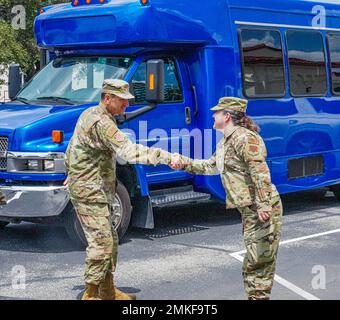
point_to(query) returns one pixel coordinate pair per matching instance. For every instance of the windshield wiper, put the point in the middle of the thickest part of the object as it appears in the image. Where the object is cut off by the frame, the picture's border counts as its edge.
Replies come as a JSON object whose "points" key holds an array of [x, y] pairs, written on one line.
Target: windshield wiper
{"points": [[23, 100], [58, 99]]}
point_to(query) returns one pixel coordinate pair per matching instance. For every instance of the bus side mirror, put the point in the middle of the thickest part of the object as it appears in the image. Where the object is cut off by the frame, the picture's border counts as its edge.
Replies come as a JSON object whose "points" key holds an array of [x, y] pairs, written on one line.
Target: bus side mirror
{"points": [[155, 81], [15, 80]]}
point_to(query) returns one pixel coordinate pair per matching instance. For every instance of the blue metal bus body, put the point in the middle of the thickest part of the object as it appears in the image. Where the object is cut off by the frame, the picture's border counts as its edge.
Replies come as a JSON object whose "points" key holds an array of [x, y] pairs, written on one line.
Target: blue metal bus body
{"points": [[204, 40]]}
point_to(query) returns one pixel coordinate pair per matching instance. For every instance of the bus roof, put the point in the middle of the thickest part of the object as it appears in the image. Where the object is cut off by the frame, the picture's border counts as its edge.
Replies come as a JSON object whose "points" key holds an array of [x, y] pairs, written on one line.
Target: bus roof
{"points": [[128, 23]]}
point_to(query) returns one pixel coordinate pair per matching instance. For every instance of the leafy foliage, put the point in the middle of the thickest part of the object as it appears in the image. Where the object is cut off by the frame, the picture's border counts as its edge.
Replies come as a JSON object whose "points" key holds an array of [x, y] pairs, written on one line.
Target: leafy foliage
{"points": [[18, 44]]}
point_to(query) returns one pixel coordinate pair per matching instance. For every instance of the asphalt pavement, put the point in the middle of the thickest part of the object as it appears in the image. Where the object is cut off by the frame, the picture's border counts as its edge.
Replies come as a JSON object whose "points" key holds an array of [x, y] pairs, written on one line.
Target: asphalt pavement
{"points": [[195, 252]]}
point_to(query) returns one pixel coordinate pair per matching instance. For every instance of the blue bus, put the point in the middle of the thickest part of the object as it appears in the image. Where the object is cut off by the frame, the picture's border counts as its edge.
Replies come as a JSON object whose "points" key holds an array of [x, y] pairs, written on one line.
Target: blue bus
{"points": [[283, 56]]}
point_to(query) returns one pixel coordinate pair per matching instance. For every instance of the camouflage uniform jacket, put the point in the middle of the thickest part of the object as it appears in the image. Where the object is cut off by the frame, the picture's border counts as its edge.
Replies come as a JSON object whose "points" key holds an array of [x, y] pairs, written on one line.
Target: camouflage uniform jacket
{"points": [[240, 159], [92, 153]]}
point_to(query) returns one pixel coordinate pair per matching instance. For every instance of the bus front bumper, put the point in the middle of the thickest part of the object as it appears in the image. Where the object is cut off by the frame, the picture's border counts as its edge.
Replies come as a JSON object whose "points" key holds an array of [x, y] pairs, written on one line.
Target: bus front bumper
{"points": [[33, 201]]}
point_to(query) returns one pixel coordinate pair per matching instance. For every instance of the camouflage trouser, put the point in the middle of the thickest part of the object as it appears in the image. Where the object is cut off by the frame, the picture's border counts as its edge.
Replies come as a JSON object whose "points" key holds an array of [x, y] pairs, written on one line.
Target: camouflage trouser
{"points": [[2, 199], [102, 239], [262, 243]]}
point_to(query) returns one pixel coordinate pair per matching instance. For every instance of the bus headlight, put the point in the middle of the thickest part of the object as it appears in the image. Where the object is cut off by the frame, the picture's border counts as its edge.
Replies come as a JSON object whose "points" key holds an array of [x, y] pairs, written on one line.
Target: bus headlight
{"points": [[49, 165], [33, 165]]}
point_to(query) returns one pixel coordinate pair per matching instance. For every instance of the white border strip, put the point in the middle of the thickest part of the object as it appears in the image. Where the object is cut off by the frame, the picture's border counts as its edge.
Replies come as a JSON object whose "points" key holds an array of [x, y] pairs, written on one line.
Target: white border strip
{"points": [[263, 24], [308, 296]]}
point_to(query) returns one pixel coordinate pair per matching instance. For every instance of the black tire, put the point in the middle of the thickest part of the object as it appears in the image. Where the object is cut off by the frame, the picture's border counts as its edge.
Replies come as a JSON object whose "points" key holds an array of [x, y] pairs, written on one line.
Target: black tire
{"points": [[75, 231], [3, 224]]}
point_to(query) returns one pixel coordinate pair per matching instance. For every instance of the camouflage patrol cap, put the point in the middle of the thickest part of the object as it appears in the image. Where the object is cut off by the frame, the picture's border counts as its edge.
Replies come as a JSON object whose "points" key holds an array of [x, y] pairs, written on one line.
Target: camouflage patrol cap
{"points": [[231, 103], [117, 87]]}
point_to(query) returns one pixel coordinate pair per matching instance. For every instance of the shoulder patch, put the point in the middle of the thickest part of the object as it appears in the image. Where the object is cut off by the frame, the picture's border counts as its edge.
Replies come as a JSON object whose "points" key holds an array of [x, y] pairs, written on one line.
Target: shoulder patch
{"points": [[253, 149], [119, 137]]}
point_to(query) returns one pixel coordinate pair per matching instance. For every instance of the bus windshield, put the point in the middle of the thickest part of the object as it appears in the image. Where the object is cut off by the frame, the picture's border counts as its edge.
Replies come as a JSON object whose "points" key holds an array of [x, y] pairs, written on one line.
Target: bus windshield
{"points": [[74, 80]]}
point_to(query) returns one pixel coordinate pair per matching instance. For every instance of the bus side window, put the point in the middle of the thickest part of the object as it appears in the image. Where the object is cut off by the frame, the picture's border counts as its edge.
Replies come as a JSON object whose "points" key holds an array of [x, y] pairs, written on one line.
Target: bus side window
{"points": [[307, 63], [334, 57], [173, 91], [262, 61]]}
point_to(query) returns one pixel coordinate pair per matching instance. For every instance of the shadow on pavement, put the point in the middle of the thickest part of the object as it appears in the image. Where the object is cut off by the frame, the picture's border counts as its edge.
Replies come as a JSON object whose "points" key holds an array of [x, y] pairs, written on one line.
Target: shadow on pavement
{"points": [[30, 237]]}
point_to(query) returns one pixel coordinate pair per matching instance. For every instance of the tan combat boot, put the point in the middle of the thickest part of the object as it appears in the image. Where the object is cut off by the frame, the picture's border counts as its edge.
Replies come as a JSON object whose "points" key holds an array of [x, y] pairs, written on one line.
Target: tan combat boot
{"points": [[91, 292], [107, 291]]}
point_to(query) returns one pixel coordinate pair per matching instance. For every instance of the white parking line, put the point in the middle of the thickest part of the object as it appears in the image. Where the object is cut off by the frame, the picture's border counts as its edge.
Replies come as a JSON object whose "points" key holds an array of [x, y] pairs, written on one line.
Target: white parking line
{"points": [[16, 197], [283, 282], [308, 296]]}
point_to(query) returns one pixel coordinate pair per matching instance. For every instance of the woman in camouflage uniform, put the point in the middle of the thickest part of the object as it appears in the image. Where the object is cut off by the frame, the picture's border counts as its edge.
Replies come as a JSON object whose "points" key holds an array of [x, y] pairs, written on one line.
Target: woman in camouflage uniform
{"points": [[240, 160]]}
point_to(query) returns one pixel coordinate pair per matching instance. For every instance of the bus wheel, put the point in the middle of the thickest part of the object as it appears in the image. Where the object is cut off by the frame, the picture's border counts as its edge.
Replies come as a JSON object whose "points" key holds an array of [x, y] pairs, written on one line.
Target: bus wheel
{"points": [[3, 224], [120, 213]]}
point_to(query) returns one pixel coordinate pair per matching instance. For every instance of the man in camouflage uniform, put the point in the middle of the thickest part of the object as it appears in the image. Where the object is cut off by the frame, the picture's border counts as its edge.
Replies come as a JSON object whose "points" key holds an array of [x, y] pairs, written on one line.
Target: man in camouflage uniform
{"points": [[240, 160], [91, 166], [2, 199]]}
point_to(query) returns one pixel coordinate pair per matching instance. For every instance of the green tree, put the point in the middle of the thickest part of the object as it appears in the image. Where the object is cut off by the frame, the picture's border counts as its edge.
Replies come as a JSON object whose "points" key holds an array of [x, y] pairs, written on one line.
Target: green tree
{"points": [[18, 45]]}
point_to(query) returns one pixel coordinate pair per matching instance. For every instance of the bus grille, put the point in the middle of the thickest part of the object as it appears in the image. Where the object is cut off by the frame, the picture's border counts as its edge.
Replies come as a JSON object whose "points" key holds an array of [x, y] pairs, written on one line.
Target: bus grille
{"points": [[3, 151], [306, 167]]}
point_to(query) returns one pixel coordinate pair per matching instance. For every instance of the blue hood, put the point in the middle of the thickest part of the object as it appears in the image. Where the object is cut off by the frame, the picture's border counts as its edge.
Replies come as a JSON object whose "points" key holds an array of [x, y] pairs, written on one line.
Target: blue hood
{"points": [[29, 127], [14, 116]]}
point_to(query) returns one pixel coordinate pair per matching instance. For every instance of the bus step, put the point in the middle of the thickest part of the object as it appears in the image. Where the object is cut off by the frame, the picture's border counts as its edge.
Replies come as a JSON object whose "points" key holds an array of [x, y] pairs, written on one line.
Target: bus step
{"points": [[177, 196]]}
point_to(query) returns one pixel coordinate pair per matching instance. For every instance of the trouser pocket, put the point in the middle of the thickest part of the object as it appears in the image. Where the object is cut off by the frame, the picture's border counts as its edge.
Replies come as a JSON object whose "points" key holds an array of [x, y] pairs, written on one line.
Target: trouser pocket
{"points": [[261, 239]]}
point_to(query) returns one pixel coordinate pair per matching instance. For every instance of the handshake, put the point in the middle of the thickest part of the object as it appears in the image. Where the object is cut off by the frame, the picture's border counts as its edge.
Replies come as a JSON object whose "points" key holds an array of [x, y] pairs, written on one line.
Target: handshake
{"points": [[178, 162]]}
